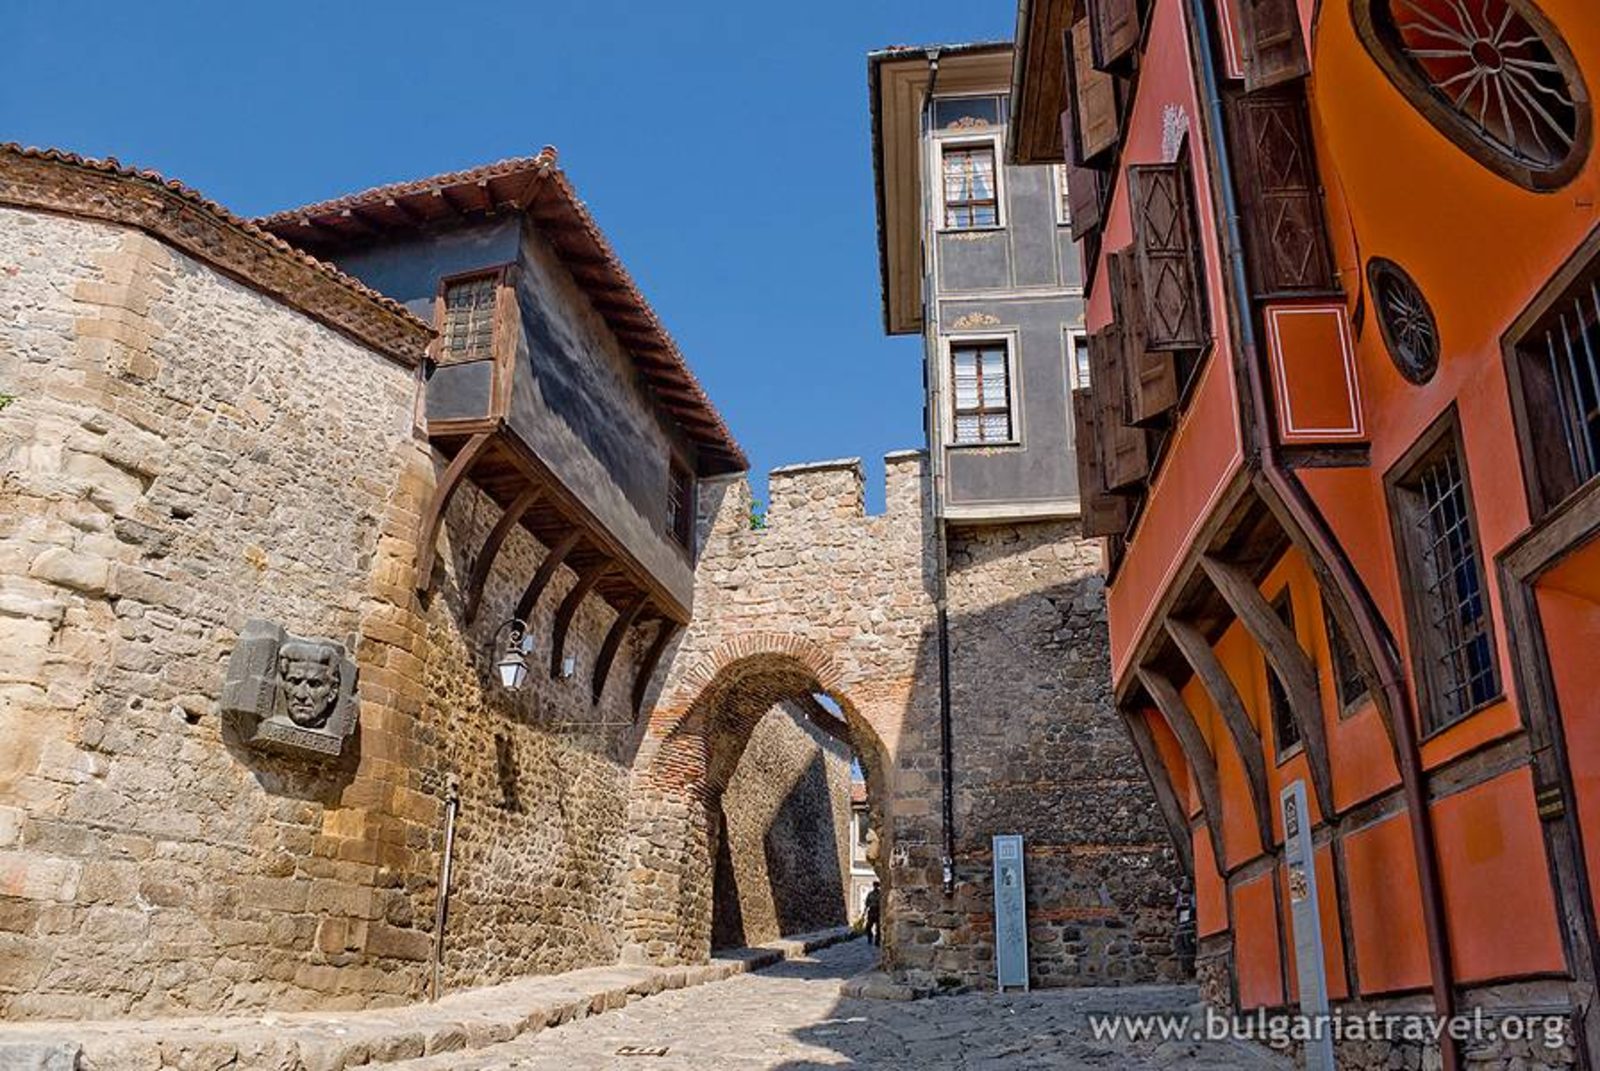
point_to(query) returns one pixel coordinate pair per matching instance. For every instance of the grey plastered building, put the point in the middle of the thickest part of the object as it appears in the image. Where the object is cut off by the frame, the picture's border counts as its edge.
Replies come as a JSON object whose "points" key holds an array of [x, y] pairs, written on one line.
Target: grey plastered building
{"points": [[977, 256]]}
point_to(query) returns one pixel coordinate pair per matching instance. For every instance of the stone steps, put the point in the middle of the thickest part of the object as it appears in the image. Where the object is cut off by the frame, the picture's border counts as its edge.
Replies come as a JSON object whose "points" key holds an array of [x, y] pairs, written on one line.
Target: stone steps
{"points": [[329, 1041]]}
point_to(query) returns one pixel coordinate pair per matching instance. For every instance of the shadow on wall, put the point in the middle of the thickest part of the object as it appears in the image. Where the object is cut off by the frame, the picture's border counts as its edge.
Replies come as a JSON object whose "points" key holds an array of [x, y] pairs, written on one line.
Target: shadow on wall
{"points": [[801, 848]]}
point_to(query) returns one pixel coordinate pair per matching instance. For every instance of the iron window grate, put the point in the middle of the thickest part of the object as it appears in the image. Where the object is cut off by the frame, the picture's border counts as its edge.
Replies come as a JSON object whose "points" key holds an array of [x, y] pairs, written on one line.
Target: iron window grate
{"points": [[1570, 344], [1455, 596], [468, 320]]}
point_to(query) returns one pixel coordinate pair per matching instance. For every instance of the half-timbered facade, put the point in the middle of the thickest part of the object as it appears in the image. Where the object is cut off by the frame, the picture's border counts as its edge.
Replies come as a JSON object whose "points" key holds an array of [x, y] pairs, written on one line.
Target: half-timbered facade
{"points": [[1340, 265]]}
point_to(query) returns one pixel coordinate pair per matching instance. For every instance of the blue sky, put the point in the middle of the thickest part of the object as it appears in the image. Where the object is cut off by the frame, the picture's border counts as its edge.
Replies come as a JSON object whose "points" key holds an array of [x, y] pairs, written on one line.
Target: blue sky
{"points": [[723, 146]]}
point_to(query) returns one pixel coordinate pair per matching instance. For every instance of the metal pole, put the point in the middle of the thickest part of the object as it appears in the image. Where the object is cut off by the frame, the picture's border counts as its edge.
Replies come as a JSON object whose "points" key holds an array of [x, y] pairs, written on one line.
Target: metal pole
{"points": [[441, 911]]}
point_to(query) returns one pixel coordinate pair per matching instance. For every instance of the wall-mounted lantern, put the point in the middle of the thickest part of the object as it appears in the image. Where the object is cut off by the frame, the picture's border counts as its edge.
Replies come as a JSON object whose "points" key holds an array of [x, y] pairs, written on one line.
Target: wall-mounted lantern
{"points": [[512, 644]]}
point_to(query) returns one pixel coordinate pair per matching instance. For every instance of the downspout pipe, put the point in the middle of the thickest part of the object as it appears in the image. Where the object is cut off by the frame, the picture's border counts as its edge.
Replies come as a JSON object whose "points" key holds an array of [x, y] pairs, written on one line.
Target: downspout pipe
{"points": [[1303, 513], [947, 798]]}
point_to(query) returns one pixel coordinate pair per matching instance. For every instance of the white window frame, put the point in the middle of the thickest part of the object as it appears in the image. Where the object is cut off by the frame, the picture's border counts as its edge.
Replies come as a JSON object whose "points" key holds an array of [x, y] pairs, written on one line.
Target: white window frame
{"points": [[1011, 340], [1058, 186], [993, 140], [1070, 336]]}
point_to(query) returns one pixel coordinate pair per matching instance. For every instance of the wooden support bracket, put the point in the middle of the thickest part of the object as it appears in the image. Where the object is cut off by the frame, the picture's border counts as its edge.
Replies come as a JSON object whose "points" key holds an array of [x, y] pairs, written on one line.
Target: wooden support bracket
{"points": [[1288, 660], [1172, 809], [1202, 763], [647, 668], [613, 640], [541, 576], [491, 549], [1225, 697], [457, 471], [569, 607]]}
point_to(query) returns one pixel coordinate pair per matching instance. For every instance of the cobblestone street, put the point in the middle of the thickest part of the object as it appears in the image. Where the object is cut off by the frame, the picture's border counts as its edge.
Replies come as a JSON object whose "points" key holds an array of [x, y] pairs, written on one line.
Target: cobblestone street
{"points": [[791, 1017]]}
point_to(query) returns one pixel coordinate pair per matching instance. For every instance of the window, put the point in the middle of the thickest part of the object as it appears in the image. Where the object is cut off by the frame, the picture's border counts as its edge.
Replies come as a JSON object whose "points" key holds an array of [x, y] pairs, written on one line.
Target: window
{"points": [[1405, 319], [980, 374], [680, 505], [970, 198], [1494, 77], [1452, 640], [967, 113], [1285, 730], [1078, 352], [466, 332], [1350, 687], [1554, 358], [1063, 198]]}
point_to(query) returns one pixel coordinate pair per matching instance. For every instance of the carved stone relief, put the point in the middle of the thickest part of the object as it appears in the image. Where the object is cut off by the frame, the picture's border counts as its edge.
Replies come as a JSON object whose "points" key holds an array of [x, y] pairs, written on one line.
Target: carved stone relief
{"points": [[289, 693]]}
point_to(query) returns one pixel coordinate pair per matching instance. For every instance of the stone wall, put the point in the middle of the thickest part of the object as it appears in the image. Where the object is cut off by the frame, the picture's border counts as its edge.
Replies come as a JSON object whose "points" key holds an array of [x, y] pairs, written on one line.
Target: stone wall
{"points": [[828, 599], [188, 453], [783, 853]]}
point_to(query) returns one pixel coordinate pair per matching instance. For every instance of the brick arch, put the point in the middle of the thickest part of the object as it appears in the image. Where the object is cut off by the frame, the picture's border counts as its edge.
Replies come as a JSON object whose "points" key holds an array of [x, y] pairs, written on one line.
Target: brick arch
{"points": [[707, 667]]}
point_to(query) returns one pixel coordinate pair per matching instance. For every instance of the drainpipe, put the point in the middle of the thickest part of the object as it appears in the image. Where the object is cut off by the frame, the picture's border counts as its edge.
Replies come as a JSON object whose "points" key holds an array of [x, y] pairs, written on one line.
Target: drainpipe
{"points": [[1304, 514], [452, 803], [930, 351]]}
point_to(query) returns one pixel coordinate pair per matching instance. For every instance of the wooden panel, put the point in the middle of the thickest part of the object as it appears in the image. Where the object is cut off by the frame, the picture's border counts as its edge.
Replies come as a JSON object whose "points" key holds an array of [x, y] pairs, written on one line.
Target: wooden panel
{"points": [[1274, 50], [1150, 376], [1085, 199], [1115, 32], [1104, 514], [1094, 97], [1166, 250], [1280, 200], [1125, 451], [1317, 394]]}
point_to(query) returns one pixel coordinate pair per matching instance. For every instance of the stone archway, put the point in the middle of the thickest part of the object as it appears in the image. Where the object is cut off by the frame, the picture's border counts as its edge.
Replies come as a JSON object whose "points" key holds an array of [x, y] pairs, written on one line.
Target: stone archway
{"points": [[692, 745]]}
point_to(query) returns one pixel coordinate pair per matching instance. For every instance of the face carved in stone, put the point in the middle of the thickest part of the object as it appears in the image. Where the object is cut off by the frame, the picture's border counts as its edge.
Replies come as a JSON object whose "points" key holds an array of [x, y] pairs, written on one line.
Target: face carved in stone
{"points": [[308, 674]]}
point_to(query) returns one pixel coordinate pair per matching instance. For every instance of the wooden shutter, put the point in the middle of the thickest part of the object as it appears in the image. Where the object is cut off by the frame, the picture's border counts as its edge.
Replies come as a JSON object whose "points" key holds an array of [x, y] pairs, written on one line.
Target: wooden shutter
{"points": [[1125, 451], [1104, 514], [1274, 49], [1085, 199], [1094, 97], [1280, 200], [1150, 376], [1114, 26], [1166, 250]]}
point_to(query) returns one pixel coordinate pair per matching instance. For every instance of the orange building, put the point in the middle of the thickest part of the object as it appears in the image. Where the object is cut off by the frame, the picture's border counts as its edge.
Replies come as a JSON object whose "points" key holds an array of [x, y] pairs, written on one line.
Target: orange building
{"points": [[1341, 435]]}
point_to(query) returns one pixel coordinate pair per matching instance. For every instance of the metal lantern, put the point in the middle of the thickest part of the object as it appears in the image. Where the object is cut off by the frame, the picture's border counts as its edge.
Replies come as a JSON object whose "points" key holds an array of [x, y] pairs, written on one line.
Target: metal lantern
{"points": [[513, 642]]}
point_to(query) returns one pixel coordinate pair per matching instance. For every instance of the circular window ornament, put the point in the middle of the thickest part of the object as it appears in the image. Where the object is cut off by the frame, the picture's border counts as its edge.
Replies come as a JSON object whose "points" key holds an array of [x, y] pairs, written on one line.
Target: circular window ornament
{"points": [[1405, 319], [1494, 76]]}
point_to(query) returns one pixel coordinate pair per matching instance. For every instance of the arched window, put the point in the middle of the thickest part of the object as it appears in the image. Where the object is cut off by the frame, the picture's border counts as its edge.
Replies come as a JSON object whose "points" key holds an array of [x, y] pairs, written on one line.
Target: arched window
{"points": [[1492, 75]]}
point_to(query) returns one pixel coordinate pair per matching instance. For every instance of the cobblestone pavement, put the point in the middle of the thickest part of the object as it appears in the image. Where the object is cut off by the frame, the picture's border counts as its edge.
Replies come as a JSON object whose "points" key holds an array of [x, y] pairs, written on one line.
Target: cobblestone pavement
{"points": [[792, 1018]]}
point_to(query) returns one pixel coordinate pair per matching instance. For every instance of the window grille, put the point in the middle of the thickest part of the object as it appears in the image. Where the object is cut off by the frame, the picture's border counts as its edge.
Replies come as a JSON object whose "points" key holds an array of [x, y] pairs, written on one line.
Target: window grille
{"points": [[1571, 345], [680, 499], [970, 198], [1350, 687], [981, 377], [1080, 359], [1454, 641], [468, 331], [1285, 729]]}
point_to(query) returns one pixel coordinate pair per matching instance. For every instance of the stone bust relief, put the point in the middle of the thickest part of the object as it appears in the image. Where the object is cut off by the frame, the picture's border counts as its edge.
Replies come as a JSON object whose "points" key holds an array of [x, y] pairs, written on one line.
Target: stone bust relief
{"points": [[290, 693]]}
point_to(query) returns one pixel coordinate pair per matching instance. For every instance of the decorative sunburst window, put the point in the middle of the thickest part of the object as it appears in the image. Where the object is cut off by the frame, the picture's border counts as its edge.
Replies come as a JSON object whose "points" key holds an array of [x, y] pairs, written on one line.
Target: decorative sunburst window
{"points": [[1492, 75], [1406, 320]]}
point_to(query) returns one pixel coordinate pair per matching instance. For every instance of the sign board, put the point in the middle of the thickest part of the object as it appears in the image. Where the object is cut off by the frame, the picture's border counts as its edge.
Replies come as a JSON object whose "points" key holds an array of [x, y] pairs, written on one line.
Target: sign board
{"points": [[1010, 913], [1306, 919]]}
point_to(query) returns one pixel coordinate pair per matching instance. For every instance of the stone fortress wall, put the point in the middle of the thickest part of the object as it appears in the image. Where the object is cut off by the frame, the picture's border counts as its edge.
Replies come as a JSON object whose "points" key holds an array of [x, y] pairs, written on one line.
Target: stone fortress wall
{"points": [[826, 598], [188, 454]]}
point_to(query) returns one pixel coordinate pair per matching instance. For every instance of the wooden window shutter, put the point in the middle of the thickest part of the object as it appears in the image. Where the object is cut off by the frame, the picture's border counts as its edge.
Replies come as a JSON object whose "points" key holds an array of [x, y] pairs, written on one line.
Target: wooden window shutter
{"points": [[1166, 251], [1085, 200], [1094, 97], [1151, 375], [1274, 48], [1280, 199], [1124, 450], [1104, 514], [1114, 26]]}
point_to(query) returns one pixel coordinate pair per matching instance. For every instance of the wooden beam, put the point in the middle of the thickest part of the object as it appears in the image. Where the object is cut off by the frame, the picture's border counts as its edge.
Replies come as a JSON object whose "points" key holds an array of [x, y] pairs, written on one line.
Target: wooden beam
{"points": [[452, 209], [824, 719], [1172, 809], [431, 519], [411, 215], [491, 548], [569, 607], [1202, 764], [358, 221], [541, 576], [613, 640], [1225, 697], [1288, 660], [647, 668]]}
